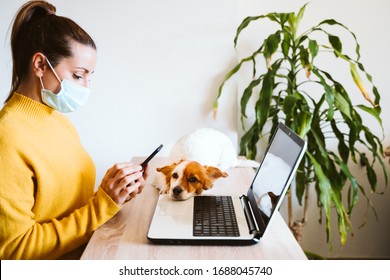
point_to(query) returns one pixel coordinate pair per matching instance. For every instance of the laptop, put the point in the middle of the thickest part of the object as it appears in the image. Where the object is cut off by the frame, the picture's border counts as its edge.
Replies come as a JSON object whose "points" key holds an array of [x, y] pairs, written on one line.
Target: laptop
{"points": [[245, 218]]}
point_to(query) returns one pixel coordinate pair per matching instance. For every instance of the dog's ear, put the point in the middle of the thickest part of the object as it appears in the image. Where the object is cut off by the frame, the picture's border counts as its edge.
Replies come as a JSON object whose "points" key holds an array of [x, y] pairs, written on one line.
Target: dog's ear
{"points": [[213, 173], [166, 170]]}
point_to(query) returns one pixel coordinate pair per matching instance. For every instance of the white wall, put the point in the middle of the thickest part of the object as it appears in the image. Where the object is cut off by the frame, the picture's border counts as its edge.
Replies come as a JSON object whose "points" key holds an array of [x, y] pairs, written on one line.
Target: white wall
{"points": [[159, 67]]}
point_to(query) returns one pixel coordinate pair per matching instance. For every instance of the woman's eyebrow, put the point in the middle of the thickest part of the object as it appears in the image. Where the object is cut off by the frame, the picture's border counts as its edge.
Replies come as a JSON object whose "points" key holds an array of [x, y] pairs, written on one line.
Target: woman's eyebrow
{"points": [[85, 69]]}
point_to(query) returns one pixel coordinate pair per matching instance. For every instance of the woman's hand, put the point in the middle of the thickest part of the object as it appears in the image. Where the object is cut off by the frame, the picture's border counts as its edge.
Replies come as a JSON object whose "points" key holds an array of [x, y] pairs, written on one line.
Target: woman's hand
{"points": [[123, 181]]}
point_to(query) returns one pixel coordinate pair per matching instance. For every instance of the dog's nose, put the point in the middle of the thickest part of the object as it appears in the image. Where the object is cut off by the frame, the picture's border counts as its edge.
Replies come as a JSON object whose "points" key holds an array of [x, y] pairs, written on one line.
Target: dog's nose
{"points": [[177, 191]]}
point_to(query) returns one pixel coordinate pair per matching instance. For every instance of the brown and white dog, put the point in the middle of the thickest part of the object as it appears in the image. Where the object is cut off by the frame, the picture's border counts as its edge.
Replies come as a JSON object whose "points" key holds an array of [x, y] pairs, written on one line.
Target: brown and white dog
{"points": [[186, 179], [196, 161]]}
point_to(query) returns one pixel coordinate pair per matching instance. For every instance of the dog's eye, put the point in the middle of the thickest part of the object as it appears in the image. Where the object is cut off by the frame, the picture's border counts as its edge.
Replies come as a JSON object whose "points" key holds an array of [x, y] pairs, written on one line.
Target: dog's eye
{"points": [[192, 179], [175, 176]]}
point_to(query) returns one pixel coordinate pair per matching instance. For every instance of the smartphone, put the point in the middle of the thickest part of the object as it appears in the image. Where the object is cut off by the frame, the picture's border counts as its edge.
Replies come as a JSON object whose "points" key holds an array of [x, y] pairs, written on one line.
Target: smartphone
{"points": [[145, 162]]}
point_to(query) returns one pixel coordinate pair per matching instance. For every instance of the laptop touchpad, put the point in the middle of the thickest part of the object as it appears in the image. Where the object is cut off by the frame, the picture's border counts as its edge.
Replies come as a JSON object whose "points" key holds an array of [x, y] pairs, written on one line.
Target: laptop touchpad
{"points": [[176, 208]]}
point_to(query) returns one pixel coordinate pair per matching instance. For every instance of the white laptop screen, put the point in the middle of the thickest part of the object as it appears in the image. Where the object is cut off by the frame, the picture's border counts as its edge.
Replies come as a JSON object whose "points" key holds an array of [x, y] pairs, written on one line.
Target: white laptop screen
{"points": [[276, 171]]}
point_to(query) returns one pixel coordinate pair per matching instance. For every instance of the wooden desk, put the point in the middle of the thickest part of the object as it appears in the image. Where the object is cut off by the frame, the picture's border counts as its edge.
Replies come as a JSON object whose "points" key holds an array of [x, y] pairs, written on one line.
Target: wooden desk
{"points": [[124, 236]]}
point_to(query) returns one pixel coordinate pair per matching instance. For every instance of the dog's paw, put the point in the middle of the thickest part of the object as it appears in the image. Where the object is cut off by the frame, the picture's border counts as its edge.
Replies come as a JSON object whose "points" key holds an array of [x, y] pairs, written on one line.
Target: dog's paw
{"points": [[164, 191], [159, 182]]}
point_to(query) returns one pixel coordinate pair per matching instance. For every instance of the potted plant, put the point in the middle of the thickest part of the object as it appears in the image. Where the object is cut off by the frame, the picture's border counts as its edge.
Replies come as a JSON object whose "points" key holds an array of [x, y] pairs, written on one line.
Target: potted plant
{"points": [[322, 114]]}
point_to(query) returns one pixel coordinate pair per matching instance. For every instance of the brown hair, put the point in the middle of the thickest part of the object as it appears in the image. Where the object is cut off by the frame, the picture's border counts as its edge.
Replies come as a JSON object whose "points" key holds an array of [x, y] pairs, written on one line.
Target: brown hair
{"points": [[36, 28]]}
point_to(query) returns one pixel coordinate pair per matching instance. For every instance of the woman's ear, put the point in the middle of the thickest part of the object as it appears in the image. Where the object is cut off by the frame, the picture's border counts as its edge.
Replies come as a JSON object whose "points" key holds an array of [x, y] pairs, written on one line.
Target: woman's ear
{"points": [[38, 64]]}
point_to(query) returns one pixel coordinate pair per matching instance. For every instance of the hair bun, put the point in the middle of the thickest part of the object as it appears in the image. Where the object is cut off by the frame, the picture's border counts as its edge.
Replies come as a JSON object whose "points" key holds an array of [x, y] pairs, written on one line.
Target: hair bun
{"points": [[28, 14], [38, 10]]}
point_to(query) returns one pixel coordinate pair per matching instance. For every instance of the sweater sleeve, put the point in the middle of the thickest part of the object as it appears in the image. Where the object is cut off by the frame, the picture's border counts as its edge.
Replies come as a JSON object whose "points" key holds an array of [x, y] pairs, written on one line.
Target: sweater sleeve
{"points": [[23, 238]]}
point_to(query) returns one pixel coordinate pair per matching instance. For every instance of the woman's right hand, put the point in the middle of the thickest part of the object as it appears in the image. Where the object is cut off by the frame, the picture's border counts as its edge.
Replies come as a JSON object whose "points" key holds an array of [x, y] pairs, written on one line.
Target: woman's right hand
{"points": [[123, 181]]}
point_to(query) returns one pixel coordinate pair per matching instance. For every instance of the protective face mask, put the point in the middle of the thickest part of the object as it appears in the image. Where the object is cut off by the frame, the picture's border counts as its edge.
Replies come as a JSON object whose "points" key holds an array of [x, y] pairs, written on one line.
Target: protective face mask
{"points": [[70, 98]]}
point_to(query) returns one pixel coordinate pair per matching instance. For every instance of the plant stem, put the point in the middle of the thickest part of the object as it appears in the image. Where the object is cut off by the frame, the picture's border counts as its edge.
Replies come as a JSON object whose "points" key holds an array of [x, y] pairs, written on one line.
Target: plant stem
{"points": [[305, 205], [289, 209]]}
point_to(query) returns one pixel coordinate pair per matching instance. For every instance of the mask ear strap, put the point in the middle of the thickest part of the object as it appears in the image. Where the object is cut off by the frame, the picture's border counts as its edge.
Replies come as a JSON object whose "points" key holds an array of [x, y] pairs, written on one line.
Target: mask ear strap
{"points": [[48, 62], [40, 79]]}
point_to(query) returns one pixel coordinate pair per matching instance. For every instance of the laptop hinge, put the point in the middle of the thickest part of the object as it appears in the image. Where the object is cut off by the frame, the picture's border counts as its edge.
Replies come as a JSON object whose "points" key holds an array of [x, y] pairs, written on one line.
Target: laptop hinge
{"points": [[252, 224]]}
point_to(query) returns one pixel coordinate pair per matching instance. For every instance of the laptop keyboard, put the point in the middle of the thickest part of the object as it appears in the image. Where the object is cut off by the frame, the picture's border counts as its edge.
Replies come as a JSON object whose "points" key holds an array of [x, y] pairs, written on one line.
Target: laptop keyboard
{"points": [[214, 216]]}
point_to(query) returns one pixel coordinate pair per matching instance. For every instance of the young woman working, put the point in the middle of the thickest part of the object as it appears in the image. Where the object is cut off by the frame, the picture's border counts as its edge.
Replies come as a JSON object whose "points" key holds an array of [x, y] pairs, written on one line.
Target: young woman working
{"points": [[48, 207]]}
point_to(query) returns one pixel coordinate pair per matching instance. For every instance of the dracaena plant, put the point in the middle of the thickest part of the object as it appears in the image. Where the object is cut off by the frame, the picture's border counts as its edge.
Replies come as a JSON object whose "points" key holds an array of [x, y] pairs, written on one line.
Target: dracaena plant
{"points": [[321, 113]]}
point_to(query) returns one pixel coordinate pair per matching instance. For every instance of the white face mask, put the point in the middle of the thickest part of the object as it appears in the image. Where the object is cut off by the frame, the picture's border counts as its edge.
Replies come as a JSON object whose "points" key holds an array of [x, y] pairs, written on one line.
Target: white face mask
{"points": [[70, 98]]}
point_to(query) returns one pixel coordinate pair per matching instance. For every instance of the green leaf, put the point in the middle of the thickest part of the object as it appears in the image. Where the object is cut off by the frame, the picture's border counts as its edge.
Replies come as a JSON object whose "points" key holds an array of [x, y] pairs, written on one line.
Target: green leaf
{"points": [[370, 172], [243, 25], [342, 104], [286, 43], [313, 47], [304, 56], [227, 77], [373, 112], [329, 93], [301, 181], [343, 219], [335, 42], [370, 138], [247, 95], [292, 21], [283, 18], [263, 105], [271, 45], [325, 192], [289, 105], [246, 143], [248, 20], [320, 146], [355, 187], [342, 147], [301, 13], [304, 119], [353, 135], [334, 22], [301, 40]]}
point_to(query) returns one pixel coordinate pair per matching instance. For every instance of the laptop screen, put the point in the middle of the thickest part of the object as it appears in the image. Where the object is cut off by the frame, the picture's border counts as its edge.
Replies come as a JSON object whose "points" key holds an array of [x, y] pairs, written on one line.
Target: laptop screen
{"points": [[275, 172]]}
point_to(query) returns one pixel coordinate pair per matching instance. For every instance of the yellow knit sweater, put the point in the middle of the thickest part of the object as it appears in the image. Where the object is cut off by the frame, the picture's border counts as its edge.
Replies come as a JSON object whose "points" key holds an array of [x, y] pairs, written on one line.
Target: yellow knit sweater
{"points": [[48, 207]]}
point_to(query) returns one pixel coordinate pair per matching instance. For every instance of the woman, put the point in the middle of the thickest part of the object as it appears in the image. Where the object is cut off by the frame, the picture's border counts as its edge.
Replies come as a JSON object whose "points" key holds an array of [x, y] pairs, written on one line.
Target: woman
{"points": [[48, 208]]}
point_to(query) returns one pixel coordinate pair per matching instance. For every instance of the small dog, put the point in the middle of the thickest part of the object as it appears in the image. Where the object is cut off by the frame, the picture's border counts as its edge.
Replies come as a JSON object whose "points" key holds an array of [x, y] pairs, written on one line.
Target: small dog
{"points": [[197, 160], [188, 178]]}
